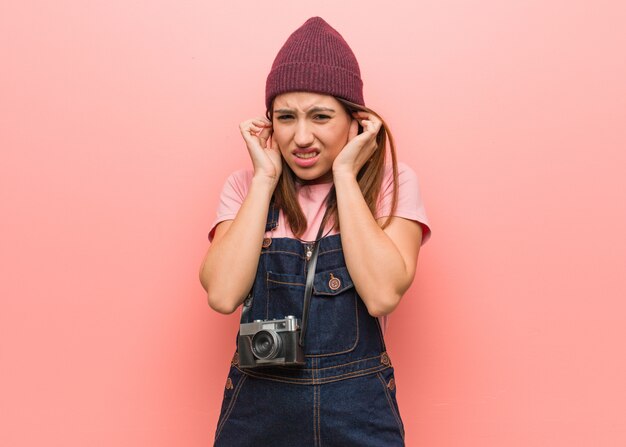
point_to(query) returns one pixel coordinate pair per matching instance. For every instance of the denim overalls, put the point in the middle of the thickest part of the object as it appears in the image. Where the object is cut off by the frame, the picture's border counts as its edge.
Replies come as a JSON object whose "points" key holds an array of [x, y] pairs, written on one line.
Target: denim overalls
{"points": [[345, 394]]}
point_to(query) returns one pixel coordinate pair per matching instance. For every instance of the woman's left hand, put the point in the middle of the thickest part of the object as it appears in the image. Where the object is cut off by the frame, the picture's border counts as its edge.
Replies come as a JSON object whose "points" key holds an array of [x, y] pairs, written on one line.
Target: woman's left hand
{"points": [[360, 147]]}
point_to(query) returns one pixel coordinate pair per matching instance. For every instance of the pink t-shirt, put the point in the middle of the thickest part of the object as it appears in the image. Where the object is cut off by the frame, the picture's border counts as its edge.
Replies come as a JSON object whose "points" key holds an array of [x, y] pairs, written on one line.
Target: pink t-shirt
{"points": [[311, 199]]}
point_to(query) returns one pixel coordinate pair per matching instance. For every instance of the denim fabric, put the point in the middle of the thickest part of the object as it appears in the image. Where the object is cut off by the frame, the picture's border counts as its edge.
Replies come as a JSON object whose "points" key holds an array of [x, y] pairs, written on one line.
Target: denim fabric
{"points": [[345, 394]]}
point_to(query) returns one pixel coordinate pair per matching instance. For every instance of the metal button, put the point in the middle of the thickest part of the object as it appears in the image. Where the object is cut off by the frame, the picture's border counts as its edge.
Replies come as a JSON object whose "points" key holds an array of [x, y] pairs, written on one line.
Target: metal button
{"points": [[384, 359], [267, 242], [229, 384], [308, 248], [334, 283], [248, 301], [392, 384]]}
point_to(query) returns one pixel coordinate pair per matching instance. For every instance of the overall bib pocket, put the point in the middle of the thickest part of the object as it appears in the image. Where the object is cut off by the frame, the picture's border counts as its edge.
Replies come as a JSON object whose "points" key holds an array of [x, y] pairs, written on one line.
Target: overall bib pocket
{"points": [[285, 294], [333, 317]]}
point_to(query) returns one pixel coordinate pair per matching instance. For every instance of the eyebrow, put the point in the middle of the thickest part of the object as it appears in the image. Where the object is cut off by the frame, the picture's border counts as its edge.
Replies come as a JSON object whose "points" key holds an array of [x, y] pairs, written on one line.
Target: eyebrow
{"points": [[311, 110]]}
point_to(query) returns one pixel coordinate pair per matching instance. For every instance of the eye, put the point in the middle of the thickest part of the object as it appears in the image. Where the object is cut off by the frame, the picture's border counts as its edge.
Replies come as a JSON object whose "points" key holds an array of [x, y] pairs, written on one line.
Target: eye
{"points": [[321, 117], [284, 117]]}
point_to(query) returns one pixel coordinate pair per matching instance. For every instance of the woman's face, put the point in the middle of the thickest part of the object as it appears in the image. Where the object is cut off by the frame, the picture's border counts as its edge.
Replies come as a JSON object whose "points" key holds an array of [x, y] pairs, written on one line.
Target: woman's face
{"points": [[310, 130]]}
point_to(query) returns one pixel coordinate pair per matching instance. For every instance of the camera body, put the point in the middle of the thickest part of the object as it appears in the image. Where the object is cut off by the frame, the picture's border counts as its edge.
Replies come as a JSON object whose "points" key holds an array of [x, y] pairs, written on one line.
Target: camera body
{"points": [[270, 342]]}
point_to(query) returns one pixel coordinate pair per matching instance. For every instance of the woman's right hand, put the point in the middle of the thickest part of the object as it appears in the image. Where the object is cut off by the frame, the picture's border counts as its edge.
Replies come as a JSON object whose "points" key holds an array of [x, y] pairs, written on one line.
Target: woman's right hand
{"points": [[265, 155]]}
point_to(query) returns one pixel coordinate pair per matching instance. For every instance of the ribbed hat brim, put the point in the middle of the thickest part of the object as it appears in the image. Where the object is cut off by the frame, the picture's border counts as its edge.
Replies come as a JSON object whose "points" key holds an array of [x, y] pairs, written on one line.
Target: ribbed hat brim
{"points": [[316, 78]]}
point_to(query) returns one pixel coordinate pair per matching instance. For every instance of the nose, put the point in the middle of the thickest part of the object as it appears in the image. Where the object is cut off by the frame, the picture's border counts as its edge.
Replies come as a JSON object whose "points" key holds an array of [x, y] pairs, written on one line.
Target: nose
{"points": [[303, 136]]}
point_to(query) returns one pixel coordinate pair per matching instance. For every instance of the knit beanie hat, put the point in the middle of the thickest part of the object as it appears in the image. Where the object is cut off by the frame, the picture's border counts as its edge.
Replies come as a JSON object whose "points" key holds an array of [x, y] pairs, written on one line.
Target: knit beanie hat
{"points": [[315, 58]]}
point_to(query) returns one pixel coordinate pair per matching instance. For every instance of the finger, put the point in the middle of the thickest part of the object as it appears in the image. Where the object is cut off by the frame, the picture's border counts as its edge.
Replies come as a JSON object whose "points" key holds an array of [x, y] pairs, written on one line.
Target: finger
{"points": [[371, 125], [362, 115], [365, 116], [367, 125], [264, 135], [261, 123], [254, 130]]}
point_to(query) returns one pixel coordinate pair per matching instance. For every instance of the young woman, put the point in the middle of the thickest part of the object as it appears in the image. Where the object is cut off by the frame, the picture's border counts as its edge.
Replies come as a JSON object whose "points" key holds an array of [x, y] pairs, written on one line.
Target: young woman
{"points": [[322, 213]]}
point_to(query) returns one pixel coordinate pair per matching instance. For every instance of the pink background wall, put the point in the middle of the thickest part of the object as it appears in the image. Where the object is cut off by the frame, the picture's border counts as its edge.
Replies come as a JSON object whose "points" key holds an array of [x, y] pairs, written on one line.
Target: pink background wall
{"points": [[118, 126]]}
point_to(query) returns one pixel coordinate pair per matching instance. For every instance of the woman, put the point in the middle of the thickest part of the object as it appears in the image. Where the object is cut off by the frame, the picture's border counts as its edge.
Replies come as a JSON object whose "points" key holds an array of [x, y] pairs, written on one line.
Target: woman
{"points": [[321, 206]]}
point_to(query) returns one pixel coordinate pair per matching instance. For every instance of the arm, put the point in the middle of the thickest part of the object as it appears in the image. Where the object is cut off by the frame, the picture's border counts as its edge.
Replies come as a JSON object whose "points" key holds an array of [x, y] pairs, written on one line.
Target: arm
{"points": [[381, 262], [229, 266], [228, 270]]}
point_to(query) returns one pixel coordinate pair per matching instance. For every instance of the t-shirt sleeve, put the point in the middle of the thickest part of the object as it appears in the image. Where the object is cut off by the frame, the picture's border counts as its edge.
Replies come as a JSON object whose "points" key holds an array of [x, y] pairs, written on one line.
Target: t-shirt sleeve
{"points": [[233, 193], [410, 205]]}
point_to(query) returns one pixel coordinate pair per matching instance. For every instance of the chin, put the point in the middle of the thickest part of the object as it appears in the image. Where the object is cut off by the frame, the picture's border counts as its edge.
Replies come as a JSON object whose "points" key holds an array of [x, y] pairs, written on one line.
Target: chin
{"points": [[311, 175]]}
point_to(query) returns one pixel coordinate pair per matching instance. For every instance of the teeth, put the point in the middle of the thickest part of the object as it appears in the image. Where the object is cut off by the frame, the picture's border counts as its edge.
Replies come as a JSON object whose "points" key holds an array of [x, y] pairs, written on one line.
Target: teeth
{"points": [[307, 155]]}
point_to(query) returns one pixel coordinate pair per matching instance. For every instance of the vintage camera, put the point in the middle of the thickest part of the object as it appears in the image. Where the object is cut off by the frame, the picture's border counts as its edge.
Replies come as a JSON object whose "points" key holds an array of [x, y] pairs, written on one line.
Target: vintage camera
{"points": [[270, 342]]}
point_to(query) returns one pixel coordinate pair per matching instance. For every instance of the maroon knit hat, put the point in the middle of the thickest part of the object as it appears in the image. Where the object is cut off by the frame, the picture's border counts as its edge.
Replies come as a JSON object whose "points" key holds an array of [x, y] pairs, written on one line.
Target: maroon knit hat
{"points": [[315, 58]]}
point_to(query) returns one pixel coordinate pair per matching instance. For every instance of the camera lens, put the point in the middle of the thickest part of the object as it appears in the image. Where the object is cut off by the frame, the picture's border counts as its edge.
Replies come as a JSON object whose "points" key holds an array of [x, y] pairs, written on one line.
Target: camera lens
{"points": [[266, 344]]}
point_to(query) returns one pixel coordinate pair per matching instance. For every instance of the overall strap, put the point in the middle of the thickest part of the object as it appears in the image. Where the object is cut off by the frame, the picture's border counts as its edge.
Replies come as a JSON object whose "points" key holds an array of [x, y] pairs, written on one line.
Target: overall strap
{"points": [[272, 216]]}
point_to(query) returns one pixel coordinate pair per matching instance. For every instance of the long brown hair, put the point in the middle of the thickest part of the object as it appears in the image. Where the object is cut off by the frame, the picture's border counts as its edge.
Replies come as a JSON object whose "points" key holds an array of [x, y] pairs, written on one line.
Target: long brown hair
{"points": [[370, 179]]}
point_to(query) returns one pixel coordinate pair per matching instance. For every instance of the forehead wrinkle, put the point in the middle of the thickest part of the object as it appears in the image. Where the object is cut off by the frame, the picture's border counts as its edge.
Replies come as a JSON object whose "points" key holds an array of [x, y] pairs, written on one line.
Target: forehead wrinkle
{"points": [[303, 102], [313, 108]]}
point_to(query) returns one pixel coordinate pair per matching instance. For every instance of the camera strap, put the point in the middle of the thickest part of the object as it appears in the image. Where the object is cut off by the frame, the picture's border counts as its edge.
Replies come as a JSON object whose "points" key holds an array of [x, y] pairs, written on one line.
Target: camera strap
{"points": [[247, 305], [310, 276]]}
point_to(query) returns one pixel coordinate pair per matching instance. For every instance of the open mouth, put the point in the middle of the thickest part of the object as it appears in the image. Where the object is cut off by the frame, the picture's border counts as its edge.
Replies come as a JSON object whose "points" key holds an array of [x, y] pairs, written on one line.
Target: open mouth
{"points": [[306, 155], [306, 158]]}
